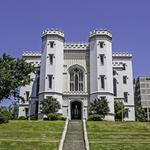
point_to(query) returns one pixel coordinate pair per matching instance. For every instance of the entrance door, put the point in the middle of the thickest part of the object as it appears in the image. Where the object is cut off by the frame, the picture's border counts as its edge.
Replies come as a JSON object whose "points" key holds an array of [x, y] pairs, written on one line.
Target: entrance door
{"points": [[76, 110]]}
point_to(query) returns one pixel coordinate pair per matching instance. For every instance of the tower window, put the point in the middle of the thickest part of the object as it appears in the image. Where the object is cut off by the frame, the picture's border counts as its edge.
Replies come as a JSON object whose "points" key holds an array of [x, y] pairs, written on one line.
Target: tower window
{"points": [[124, 79], [101, 44], [51, 58], [102, 81], [51, 44], [102, 59], [124, 66], [50, 77], [27, 95], [126, 97], [115, 86]]}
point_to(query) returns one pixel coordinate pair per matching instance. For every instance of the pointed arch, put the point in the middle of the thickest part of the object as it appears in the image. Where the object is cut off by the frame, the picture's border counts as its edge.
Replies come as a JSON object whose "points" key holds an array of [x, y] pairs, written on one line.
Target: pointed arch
{"points": [[76, 78]]}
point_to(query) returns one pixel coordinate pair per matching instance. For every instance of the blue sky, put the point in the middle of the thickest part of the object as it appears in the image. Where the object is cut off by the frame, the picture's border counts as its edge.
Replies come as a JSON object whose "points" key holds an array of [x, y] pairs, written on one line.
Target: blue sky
{"points": [[22, 21]]}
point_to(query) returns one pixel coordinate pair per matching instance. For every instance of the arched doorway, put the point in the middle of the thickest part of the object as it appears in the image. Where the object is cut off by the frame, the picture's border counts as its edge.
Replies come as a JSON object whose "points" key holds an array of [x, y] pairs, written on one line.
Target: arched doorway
{"points": [[76, 110]]}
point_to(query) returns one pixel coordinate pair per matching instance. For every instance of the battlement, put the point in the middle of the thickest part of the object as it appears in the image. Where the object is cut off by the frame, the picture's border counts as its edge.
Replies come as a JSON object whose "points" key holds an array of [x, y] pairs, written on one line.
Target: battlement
{"points": [[75, 46], [121, 54], [53, 31], [31, 53], [117, 64], [101, 32]]}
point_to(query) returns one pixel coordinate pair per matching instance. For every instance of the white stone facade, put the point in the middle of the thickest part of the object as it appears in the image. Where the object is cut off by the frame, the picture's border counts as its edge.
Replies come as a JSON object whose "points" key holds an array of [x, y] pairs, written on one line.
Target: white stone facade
{"points": [[77, 73]]}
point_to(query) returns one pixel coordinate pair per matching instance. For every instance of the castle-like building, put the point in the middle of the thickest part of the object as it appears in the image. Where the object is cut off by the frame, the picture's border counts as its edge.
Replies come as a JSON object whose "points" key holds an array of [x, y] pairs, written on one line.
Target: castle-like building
{"points": [[76, 74]]}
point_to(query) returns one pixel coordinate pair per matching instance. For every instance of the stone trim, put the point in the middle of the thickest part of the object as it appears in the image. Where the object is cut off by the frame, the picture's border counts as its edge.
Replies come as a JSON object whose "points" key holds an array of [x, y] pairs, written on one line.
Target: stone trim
{"points": [[43, 92], [86, 141], [102, 93], [53, 31], [63, 135], [121, 54]]}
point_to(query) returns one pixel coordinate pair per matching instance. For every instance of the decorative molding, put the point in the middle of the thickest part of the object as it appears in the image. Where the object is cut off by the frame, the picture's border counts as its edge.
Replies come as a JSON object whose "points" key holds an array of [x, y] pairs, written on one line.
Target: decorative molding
{"points": [[53, 31], [102, 93], [31, 53], [121, 54], [75, 93], [49, 92], [76, 46], [99, 34]]}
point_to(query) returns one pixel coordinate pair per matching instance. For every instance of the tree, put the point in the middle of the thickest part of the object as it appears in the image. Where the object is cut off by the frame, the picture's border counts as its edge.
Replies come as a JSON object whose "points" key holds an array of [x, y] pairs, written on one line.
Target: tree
{"points": [[50, 105], [14, 109], [13, 74], [140, 114], [100, 107], [5, 115], [119, 110]]}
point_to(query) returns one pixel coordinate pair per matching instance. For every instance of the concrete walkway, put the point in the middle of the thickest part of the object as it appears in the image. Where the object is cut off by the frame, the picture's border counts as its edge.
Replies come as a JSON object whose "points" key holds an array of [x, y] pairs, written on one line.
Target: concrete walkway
{"points": [[75, 137]]}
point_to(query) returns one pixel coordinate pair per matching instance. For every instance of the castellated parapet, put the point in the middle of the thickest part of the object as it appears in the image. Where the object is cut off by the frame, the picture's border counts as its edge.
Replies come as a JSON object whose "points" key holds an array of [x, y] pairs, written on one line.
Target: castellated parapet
{"points": [[100, 33], [31, 53], [73, 46], [53, 32], [121, 54]]}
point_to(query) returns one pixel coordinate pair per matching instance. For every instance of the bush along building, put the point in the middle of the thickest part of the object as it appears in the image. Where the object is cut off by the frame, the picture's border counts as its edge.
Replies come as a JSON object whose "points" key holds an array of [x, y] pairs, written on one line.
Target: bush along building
{"points": [[76, 74]]}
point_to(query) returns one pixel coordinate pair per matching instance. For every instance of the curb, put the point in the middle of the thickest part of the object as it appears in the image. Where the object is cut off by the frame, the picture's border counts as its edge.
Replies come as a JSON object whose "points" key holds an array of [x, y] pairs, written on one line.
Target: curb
{"points": [[63, 136], [85, 136]]}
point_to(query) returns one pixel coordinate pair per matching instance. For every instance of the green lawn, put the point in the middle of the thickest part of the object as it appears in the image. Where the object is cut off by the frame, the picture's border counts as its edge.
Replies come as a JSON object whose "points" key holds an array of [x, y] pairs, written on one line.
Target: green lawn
{"points": [[118, 135], [31, 135]]}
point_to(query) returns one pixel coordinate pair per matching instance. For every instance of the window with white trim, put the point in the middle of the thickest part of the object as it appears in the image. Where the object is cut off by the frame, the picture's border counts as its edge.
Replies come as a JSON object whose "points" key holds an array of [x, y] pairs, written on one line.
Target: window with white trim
{"points": [[124, 79], [102, 77], [51, 44], [126, 97], [50, 78], [51, 58], [101, 44], [102, 59]]}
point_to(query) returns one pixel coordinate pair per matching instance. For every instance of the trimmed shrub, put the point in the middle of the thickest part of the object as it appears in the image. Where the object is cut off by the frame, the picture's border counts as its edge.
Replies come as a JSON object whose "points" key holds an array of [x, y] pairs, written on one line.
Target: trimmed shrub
{"points": [[22, 118], [53, 116], [4, 118], [95, 117], [62, 118]]}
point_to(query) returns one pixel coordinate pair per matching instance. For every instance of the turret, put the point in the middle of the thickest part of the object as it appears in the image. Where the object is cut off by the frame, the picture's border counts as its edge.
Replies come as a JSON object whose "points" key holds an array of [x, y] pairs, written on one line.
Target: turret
{"points": [[51, 77], [101, 74]]}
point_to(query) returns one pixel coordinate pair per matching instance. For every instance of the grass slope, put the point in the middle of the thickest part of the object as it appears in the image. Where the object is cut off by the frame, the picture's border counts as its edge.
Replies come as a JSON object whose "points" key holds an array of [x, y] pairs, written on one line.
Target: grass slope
{"points": [[119, 135], [31, 135]]}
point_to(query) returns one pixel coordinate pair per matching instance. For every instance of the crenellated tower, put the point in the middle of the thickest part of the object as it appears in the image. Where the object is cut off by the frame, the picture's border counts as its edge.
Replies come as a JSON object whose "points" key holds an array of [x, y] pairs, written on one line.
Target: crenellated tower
{"points": [[101, 74], [51, 76]]}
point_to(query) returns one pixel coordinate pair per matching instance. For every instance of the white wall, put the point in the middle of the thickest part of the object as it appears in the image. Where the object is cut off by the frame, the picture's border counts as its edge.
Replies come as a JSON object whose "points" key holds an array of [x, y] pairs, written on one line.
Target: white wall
{"points": [[121, 88]]}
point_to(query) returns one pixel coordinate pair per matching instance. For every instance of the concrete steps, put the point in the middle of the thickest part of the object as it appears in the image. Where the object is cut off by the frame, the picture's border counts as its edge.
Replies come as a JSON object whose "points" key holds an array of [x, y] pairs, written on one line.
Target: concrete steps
{"points": [[75, 137]]}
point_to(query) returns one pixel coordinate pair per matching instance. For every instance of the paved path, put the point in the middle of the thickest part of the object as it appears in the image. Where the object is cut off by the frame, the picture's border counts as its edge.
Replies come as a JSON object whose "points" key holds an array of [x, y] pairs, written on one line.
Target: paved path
{"points": [[74, 138]]}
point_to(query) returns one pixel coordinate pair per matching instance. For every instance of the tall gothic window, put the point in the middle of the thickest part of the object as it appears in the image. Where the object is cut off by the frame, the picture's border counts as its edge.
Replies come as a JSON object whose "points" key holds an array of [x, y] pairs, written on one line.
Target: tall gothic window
{"points": [[76, 80]]}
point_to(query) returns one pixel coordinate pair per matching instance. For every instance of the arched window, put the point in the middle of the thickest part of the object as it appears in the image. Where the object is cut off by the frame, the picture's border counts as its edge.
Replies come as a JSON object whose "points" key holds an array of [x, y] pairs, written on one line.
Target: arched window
{"points": [[76, 79]]}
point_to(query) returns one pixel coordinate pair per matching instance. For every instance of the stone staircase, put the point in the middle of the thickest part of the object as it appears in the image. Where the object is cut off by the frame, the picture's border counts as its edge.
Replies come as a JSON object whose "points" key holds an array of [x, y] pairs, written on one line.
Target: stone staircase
{"points": [[74, 137]]}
